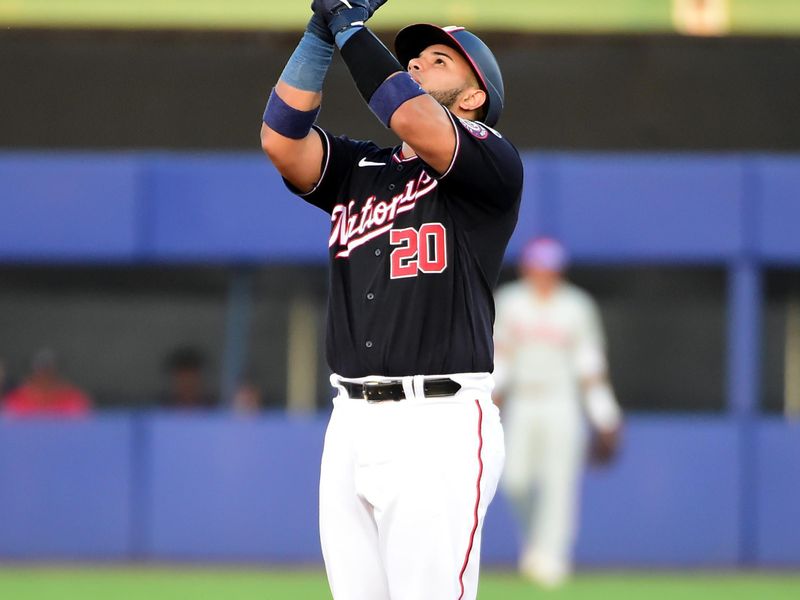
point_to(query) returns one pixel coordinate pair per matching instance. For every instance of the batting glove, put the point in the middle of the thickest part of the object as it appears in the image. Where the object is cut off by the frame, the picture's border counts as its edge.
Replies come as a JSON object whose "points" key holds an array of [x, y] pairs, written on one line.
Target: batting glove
{"points": [[319, 27], [340, 15]]}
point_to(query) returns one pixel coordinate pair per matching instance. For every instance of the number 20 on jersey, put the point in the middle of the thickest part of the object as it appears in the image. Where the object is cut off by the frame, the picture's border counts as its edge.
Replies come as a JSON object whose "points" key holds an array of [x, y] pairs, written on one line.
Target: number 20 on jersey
{"points": [[422, 250]]}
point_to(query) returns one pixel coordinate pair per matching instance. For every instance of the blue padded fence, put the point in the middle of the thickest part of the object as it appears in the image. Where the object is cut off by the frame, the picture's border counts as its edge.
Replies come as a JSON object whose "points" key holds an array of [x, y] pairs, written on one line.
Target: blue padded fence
{"points": [[225, 488], [719, 491], [132, 208]]}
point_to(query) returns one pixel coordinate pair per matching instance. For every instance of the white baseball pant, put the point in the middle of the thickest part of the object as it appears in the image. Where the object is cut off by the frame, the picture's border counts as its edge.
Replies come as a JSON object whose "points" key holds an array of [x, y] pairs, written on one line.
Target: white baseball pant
{"points": [[404, 489]]}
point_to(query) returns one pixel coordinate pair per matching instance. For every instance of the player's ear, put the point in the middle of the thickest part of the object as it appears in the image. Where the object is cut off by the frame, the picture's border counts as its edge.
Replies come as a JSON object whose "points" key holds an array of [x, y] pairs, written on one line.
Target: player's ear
{"points": [[472, 99]]}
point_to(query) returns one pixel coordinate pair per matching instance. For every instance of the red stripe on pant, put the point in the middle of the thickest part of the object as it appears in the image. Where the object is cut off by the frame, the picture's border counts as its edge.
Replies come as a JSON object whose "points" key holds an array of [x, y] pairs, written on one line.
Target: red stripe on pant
{"points": [[477, 500]]}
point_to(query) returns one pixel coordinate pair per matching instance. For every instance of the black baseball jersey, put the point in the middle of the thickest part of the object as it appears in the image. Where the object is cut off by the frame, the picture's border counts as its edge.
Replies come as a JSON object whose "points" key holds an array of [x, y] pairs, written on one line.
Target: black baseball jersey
{"points": [[414, 255]]}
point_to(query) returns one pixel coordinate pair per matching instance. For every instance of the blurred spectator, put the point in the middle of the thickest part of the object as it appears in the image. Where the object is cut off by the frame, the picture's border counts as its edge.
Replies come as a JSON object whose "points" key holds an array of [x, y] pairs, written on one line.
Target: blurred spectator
{"points": [[45, 392], [185, 368], [247, 399], [550, 368]]}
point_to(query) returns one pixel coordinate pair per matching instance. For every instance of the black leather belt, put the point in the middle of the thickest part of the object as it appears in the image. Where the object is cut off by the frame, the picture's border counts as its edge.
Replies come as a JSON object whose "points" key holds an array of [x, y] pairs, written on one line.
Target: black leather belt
{"points": [[393, 390]]}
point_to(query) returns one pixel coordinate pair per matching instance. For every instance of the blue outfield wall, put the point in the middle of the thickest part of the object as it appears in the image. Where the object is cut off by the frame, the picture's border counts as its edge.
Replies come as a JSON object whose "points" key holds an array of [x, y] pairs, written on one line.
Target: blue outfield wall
{"points": [[720, 491], [225, 488], [232, 489], [150, 207], [66, 489], [778, 493]]}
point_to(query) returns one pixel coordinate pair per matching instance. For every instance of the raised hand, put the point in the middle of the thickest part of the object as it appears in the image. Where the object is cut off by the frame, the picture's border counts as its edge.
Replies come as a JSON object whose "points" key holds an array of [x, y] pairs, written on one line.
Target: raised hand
{"points": [[319, 27], [341, 14]]}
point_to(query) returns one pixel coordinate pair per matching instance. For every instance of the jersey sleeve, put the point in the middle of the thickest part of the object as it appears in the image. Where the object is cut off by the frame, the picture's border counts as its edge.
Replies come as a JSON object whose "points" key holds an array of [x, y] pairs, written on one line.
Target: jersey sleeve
{"points": [[504, 346], [339, 156], [486, 170], [590, 353]]}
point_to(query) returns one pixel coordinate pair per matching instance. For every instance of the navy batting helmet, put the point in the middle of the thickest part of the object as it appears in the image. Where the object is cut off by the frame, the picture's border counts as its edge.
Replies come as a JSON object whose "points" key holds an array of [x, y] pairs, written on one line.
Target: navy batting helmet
{"points": [[412, 40]]}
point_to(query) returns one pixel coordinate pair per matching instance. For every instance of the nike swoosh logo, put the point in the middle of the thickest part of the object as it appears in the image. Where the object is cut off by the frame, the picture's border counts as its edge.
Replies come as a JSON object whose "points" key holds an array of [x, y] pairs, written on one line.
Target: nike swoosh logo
{"points": [[366, 163]]}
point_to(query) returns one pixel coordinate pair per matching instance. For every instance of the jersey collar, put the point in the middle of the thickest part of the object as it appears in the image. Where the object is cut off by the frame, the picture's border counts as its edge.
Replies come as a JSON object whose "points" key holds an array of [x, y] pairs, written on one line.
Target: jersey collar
{"points": [[399, 158]]}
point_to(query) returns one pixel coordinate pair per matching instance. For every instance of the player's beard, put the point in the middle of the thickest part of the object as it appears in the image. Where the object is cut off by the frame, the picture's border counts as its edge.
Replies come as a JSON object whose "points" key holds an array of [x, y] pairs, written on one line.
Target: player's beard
{"points": [[447, 98]]}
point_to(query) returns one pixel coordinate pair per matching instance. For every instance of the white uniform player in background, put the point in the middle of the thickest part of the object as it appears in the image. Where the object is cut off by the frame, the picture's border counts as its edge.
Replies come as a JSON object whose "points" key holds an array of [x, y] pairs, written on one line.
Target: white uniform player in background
{"points": [[551, 375]]}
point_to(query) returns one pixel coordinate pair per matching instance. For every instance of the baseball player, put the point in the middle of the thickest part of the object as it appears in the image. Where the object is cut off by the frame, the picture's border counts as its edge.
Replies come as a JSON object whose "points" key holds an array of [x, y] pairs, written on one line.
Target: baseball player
{"points": [[550, 369], [414, 447]]}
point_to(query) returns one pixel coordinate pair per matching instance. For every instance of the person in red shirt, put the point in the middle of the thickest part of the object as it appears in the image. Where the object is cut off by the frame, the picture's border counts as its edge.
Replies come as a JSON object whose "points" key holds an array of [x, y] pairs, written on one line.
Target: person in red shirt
{"points": [[46, 393]]}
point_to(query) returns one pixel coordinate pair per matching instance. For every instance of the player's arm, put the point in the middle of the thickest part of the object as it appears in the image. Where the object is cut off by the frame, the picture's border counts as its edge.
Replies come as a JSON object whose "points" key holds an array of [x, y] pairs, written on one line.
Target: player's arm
{"points": [[392, 94], [503, 347], [605, 417], [298, 160], [287, 137], [600, 403], [424, 125]]}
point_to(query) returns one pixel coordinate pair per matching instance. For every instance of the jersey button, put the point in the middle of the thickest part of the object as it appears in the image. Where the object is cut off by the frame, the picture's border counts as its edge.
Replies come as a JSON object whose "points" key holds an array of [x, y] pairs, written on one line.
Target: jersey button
{"points": [[391, 187], [368, 344], [370, 296], [378, 252], [399, 168]]}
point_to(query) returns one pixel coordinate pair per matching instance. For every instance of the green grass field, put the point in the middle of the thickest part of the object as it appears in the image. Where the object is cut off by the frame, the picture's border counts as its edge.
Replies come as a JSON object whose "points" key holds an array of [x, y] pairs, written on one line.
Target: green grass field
{"points": [[747, 16], [249, 584]]}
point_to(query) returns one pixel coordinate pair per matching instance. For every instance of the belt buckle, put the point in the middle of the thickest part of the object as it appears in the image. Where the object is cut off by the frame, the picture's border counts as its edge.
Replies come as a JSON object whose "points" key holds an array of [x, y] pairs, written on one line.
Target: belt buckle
{"points": [[370, 388]]}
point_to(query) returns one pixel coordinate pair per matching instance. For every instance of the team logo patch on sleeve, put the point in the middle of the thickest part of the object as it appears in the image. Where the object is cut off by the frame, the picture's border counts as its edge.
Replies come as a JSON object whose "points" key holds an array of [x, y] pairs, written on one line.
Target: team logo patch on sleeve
{"points": [[476, 129]]}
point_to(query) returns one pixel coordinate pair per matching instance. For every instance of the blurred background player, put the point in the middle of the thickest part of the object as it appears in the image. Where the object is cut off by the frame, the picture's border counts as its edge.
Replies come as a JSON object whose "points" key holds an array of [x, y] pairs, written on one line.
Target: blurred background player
{"points": [[46, 392], [550, 368]]}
